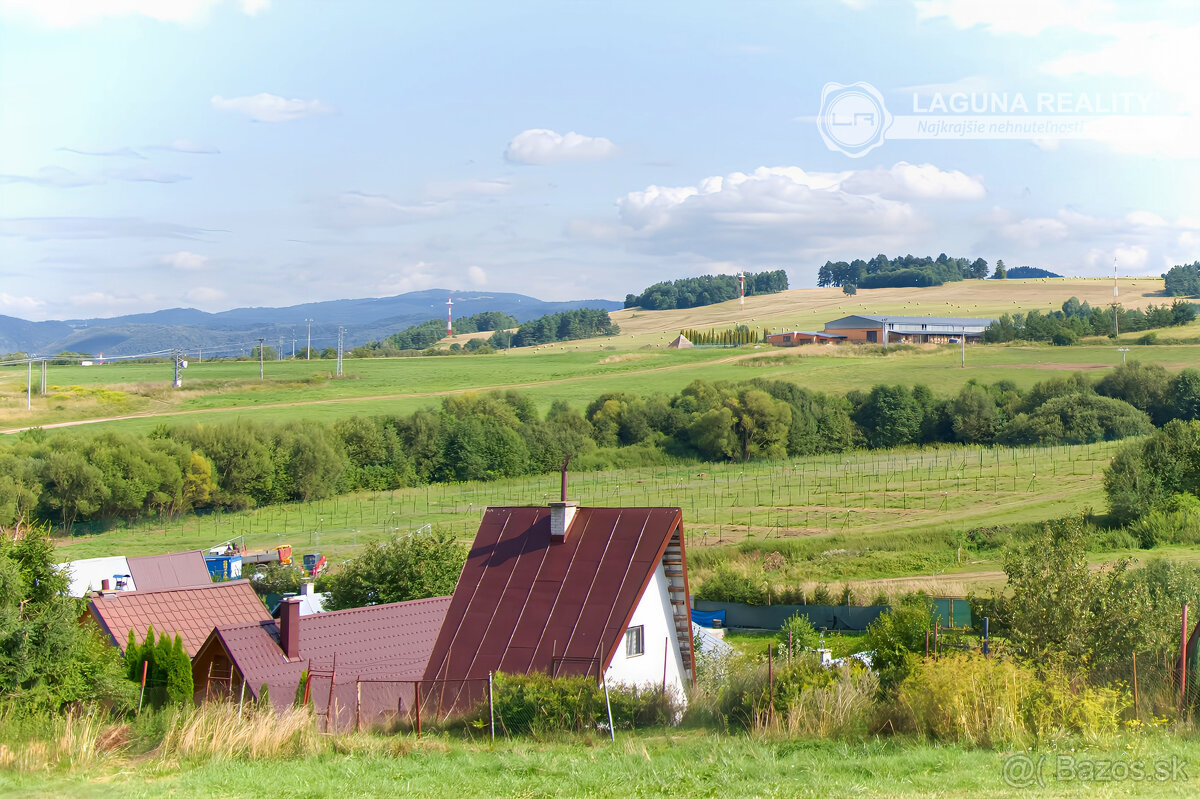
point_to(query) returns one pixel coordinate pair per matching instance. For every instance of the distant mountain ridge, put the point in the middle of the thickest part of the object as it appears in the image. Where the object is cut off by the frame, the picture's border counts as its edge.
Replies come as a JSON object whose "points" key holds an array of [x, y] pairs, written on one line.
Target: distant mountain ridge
{"points": [[238, 330]]}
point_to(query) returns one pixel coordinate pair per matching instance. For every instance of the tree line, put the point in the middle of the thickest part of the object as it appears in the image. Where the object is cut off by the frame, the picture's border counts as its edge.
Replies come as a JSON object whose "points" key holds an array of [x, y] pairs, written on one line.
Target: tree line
{"points": [[693, 292], [907, 270], [562, 326], [1077, 319], [1183, 280], [727, 337], [69, 477]]}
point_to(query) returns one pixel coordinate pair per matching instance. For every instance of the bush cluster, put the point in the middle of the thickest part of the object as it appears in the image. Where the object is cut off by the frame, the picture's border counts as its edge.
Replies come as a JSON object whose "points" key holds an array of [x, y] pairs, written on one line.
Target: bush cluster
{"points": [[1077, 319]]}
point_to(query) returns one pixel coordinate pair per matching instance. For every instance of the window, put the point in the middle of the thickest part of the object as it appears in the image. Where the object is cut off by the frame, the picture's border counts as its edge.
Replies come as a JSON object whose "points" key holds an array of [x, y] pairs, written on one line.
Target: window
{"points": [[634, 643]]}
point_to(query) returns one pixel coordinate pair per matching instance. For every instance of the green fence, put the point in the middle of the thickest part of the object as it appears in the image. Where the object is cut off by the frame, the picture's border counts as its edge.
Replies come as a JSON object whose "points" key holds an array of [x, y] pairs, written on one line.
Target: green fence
{"points": [[951, 612]]}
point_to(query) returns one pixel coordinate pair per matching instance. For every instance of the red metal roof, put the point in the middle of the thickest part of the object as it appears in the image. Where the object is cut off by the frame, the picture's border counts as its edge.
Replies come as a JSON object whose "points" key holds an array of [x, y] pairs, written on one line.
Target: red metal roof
{"points": [[191, 612], [526, 604], [159, 572], [391, 641]]}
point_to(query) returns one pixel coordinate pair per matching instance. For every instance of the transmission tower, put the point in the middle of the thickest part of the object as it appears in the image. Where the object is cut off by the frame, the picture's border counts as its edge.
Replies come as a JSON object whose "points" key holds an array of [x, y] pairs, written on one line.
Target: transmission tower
{"points": [[260, 358], [179, 365], [341, 332], [279, 352]]}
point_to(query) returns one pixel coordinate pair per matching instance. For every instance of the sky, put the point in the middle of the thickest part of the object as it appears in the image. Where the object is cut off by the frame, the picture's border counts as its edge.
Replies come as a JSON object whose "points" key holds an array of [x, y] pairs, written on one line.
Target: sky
{"points": [[228, 153]]}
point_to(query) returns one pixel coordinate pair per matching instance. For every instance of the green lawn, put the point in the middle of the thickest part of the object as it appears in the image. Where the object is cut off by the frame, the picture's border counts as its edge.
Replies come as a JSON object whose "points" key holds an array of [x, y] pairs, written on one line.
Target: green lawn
{"points": [[674, 764], [576, 373]]}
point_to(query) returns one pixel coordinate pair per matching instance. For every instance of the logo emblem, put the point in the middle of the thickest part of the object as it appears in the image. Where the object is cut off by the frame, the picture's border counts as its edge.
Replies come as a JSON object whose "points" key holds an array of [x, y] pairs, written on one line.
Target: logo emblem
{"points": [[853, 118]]}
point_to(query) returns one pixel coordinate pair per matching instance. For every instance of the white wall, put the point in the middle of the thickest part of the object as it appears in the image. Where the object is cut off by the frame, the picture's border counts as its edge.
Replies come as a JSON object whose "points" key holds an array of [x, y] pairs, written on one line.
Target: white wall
{"points": [[653, 612]]}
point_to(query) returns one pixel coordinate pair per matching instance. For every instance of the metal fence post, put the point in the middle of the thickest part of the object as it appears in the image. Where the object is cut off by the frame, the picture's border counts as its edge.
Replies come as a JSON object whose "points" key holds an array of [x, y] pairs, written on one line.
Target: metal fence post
{"points": [[417, 705], [612, 732], [491, 706]]}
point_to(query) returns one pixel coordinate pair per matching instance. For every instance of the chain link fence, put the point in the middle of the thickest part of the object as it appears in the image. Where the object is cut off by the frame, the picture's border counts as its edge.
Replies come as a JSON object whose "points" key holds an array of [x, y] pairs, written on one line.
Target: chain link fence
{"points": [[497, 705]]}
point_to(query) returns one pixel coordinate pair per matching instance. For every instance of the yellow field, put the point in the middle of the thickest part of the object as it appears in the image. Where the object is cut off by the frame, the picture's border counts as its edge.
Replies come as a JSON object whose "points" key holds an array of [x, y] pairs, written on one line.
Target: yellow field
{"points": [[810, 309]]}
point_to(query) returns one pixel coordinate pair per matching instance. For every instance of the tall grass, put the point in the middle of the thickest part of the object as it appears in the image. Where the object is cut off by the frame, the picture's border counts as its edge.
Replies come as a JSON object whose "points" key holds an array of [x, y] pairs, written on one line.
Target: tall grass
{"points": [[43, 742], [219, 730], [994, 702]]}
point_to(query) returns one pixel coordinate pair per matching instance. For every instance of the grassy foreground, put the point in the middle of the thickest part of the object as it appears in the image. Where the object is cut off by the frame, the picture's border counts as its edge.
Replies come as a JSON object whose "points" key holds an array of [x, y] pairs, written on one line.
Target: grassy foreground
{"points": [[675, 764]]}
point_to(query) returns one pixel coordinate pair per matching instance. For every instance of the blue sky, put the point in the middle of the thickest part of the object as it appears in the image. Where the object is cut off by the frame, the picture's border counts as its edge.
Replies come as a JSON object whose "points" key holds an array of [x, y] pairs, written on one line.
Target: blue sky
{"points": [[224, 153]]}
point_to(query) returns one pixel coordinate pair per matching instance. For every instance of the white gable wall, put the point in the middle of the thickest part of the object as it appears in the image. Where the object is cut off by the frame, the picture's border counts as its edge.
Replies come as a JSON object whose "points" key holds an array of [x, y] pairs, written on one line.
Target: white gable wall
{"points": [[654, 614], [87, 575]]}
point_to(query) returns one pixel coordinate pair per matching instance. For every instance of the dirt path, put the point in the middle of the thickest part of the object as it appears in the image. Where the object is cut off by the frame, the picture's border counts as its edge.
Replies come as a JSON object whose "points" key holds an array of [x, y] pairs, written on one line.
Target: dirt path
{"points": [[373, 397]]}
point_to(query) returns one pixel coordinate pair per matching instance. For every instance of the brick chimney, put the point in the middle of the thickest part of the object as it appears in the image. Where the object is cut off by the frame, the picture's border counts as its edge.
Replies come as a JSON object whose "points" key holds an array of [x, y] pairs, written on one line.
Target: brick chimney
{"points": [[561, 516], [289, 628]]}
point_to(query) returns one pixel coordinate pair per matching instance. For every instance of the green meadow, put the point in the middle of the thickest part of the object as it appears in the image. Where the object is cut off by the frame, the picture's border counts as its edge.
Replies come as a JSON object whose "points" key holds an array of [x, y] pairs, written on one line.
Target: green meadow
{"points": [[138, 396]]}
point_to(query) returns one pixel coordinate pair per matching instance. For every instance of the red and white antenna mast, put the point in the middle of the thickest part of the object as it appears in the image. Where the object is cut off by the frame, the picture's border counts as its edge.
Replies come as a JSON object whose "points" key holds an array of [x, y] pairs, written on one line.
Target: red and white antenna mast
{"points": [[449, 316], [1115, 323], [741, 276]]}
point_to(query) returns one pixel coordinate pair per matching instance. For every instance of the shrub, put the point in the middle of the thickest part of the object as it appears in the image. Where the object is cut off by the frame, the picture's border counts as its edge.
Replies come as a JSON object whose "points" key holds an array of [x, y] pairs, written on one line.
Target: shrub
{"points": [[996, 702], [898, 638], [539, 703], [799, 634]]}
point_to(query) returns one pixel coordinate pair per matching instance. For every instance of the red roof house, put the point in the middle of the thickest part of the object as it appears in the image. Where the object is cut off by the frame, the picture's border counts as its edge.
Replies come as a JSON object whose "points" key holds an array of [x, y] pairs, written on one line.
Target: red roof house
{"points": [[371, 656], [568, 591], [191, 612]]}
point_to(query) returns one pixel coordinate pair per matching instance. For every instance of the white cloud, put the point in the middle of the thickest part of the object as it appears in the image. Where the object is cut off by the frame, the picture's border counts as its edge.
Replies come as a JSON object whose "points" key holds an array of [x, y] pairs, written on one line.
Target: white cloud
{"points": [[916, 182], [477, 276], [265, 107], [540, 146], [203, 295], [1069, 242], [20, 305], [68, 13], [450, 189], [1021, 17], [1129, 259], [771, 212], [414, 278], [184, 260], [119, 152], [353, 209]]}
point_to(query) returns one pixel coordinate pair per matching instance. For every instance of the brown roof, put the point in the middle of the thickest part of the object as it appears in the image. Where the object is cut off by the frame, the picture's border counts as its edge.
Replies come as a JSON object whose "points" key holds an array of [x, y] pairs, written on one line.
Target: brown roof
{"points": [[191, 612], [525, 604], [158, 572], [383, 642]]}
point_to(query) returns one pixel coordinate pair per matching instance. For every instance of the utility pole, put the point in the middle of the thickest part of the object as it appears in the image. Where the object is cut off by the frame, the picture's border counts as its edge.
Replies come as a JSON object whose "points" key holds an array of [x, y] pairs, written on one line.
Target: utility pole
{"points": [[964, 348], [293, 345], [260, 358], [1122, 350], [279, 354], [1115, 331], [308, 350], [341, 332], [29, 387]]}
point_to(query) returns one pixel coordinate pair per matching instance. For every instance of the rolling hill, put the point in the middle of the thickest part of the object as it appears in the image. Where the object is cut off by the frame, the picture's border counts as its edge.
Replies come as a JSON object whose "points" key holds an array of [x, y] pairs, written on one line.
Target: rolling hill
{"points": [[238, 330]]}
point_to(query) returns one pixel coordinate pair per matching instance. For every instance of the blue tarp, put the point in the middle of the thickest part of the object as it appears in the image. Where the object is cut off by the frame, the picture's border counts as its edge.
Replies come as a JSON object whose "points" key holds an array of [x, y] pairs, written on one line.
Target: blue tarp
{"points": [[705, 618]]}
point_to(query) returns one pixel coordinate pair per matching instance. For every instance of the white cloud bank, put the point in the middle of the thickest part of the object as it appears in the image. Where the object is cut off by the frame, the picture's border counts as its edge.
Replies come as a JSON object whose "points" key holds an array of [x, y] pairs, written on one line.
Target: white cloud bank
{"points": [[787, 211], [184, 261], [540, 146], [266, 107]]}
